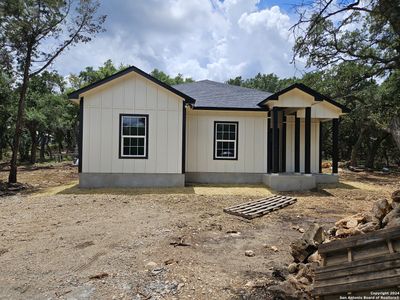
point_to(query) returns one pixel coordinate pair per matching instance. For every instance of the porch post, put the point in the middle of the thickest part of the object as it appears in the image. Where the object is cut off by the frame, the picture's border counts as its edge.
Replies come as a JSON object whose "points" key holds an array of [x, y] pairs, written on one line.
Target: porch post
{"points": [[283, 146], [307, 142], [269, 143], [296, 144], [275, 141], [335, 145], [320, 148]]}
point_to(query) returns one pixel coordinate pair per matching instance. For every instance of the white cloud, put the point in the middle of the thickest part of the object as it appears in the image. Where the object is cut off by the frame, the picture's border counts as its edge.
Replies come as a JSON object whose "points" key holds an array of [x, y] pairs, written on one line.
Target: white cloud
{"points": [[198, 38]]}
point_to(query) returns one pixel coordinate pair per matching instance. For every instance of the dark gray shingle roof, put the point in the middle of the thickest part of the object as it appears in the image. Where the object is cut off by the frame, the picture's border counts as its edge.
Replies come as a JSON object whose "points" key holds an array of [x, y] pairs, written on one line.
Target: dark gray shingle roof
{"points": [[209, 93]]}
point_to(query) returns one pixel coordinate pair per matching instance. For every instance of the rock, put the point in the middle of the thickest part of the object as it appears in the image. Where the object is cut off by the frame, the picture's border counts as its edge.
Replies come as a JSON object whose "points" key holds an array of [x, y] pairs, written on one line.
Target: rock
{"points": [[301, 230], [396, 196], [394, 214], [395, 204], [274, 248], [279, 274], [351, 221], [369, 227], [393, 223], [304, 281], [151, 265], [315, 257], [344, 232], [302, 249], [315, 234], [380, 208], [292, 268], [249, 253], [307, 272]]}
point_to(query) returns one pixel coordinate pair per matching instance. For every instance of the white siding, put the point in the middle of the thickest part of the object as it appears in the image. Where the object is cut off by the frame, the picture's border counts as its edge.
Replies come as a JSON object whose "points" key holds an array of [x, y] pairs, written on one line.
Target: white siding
{"points": [[290, 145], [132, 94], [252, 150]]}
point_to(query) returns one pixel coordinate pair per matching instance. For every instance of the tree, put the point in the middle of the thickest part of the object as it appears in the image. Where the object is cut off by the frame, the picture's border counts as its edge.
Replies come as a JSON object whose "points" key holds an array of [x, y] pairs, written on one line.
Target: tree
{"points": [[43, 107], [7, 96], [27, 28], [364, 32], [160, 75]]}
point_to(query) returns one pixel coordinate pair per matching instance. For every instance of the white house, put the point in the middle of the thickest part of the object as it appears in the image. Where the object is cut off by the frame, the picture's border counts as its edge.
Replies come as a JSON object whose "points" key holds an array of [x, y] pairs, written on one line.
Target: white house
{"points": [[137, 131]]}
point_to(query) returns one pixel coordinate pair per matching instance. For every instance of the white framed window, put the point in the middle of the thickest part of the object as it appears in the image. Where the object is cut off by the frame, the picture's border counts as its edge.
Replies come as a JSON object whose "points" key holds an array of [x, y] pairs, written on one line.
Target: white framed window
{"points": [[226, 140], [133, 136]]}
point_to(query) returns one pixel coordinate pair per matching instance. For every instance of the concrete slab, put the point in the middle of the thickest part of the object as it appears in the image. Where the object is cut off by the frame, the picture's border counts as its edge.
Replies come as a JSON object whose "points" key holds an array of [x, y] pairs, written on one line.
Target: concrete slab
{"points": [[128, 180], [220, 178], [290, 182]]}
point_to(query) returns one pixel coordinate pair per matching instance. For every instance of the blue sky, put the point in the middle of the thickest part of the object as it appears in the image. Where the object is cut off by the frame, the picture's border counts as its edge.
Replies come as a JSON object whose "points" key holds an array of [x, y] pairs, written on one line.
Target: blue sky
{"points": [[201, 39]]}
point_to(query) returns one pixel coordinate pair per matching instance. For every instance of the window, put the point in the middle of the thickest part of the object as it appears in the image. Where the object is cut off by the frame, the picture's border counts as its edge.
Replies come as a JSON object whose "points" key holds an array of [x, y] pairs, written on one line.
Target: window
{"points": [[225, 140], [134, 136]]}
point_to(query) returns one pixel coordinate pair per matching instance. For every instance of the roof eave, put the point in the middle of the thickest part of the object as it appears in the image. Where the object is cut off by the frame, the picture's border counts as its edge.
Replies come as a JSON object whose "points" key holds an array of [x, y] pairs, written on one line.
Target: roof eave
{"points": [[317, 96]]}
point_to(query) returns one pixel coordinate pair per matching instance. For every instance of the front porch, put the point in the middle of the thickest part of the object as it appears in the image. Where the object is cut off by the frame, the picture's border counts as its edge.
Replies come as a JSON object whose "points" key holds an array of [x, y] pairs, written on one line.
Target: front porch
{"points": [[295, 138]]}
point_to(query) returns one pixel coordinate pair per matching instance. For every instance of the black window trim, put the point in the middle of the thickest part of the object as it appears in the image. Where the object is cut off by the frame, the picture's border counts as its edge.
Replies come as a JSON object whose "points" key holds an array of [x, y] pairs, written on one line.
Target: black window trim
{"points": [[215, 140], [120, 156]]}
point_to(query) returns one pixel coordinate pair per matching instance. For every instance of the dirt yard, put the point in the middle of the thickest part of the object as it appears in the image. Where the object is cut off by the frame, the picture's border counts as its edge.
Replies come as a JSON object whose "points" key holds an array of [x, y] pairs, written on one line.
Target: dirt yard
{"points": [[57, 241]]}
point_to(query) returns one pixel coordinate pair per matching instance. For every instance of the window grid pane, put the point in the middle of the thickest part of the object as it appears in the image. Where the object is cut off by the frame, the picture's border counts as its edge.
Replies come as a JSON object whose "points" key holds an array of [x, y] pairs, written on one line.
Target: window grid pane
{"points": [[226, 139], [133, 136]]}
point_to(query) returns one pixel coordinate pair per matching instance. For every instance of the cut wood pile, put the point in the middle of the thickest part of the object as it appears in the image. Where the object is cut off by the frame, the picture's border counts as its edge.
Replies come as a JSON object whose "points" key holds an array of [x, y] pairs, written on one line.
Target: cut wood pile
{"points": [[300, 281]]}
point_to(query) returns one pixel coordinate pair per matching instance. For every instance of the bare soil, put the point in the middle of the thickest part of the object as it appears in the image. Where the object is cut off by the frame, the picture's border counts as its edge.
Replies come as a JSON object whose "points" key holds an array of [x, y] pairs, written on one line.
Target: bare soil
{"points": [[61, 242]]}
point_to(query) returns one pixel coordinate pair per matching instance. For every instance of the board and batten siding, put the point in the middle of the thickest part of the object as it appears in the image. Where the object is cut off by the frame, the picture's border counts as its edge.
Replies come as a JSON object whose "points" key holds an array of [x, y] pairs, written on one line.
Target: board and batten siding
{"points": [[252, 147], [132, 94], [314, 159]]}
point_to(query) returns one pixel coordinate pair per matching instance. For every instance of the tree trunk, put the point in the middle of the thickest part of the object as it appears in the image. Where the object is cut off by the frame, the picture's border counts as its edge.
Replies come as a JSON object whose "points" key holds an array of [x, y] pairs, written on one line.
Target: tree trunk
{"points": [[33, 133], [356, 148], [395, 130], [12, 177], [42, 147], [373, 150]]}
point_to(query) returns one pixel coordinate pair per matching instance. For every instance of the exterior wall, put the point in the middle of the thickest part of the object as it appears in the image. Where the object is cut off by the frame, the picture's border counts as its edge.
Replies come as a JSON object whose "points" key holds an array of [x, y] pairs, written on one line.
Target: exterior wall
{"points": [[252, 139], [131, 94], [290, 145]]}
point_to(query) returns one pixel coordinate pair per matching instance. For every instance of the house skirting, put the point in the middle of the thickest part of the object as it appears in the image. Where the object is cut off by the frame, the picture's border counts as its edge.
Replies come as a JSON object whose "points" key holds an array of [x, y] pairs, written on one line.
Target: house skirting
{"points": [[128, 180], [220, 178]]}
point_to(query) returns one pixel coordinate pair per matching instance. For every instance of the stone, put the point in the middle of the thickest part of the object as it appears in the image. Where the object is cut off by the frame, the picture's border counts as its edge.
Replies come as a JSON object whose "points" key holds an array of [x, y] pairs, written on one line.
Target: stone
{"points": [[394, 214], [393, 223], [249, 253], [315, 234], [369, 227], [301, 249], [304, 281], [151, 265], [344, 232], [380, 209], [351, 221], [292, 268], [315, 257], [274, 248], [396, 196], [395, 204]]}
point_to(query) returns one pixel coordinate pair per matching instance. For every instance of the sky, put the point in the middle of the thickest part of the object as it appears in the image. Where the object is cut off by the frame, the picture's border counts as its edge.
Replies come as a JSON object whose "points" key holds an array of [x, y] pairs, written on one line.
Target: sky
{"points": [[202, 39]]}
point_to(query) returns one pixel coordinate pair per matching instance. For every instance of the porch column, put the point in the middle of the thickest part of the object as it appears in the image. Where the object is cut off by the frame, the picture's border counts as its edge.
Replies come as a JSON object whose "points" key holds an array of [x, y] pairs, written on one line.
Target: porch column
{"points": [[307, 141], [296, 144], [269, 144], [283, 141], [275, 140], [320, 148], [335, 145]]}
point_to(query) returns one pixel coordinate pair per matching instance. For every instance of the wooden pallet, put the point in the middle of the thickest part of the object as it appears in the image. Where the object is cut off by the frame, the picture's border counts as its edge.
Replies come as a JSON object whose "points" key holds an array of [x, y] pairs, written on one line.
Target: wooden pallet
{"points": [[258, 208], [359, 265]]}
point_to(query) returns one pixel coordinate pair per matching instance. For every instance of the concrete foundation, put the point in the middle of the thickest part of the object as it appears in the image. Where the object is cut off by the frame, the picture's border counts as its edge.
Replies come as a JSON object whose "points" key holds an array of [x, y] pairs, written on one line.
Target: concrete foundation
{"points": [[290, 182], [128, 180], [221, 178], [326, 178]]}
